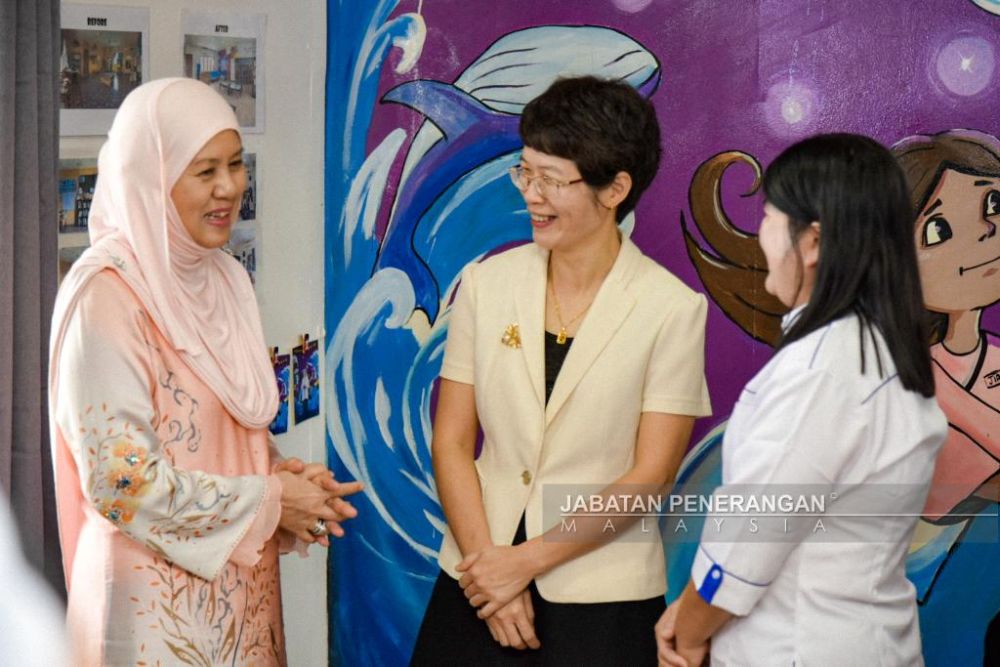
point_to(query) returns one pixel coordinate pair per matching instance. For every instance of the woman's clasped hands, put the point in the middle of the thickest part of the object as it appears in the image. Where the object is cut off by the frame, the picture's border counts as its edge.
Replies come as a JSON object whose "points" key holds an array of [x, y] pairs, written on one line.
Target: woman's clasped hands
{"points": [[495, 581], [668, 652], [312, 501]]}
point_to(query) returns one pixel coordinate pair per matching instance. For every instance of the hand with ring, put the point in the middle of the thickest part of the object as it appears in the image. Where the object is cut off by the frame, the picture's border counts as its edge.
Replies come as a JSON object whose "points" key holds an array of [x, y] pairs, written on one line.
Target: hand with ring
{"points": [[311, 501], [319, 529], [323, 476]]}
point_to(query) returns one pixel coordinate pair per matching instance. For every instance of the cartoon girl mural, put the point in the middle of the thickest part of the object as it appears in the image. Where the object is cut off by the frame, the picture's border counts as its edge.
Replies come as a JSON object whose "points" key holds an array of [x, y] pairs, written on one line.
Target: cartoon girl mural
{"points": [[954, 178]]}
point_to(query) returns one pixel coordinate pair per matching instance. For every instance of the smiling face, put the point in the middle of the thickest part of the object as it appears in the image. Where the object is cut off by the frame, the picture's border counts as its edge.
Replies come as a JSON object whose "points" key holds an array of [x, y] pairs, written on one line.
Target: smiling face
{"points": [[958, 248], [567, 217], [208, 194]]}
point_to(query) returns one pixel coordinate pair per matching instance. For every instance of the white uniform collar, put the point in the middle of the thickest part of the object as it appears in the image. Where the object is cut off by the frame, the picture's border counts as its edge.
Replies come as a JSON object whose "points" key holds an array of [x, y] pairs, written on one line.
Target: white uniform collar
{"points": [[789, 318]]}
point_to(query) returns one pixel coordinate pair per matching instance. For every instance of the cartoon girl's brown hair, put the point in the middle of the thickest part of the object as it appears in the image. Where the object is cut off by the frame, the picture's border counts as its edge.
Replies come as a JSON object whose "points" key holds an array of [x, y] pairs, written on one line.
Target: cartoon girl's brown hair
{"points": [[925, 157], [733, 267]]}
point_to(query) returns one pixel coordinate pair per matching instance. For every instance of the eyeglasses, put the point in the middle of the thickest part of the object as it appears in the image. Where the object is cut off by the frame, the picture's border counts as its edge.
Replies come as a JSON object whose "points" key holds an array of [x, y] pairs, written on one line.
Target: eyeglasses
{"points": [[545, 186]]}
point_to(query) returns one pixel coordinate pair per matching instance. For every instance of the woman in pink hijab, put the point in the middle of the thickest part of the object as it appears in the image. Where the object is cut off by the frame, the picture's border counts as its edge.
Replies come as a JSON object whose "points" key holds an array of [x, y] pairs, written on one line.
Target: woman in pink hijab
{"points": [[171, 501]]}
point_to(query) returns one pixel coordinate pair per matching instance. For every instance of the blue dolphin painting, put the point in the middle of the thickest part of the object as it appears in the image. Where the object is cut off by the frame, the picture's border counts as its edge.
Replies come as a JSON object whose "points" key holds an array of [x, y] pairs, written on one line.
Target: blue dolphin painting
{"points": [[452, 205], [475, 120]]}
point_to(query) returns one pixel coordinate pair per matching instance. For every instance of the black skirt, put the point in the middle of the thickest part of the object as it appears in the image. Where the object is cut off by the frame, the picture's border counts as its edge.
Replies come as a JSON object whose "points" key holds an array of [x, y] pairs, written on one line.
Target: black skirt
{"points": [[598, 634]]}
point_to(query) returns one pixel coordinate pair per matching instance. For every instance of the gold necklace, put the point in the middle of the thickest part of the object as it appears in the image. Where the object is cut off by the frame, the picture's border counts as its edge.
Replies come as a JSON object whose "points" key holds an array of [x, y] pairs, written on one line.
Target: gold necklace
{"points": [[561, 337]]}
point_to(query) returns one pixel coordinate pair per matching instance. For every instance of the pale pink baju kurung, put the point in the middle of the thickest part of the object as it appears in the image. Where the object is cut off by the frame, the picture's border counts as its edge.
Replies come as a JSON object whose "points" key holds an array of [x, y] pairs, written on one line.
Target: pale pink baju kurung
{"points": [[166, 509]]}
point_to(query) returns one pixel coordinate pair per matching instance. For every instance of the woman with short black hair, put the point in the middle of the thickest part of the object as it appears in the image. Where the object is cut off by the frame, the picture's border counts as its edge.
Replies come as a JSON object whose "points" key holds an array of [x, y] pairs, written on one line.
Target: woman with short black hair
{"points": [[582, 360], [604, 127]]}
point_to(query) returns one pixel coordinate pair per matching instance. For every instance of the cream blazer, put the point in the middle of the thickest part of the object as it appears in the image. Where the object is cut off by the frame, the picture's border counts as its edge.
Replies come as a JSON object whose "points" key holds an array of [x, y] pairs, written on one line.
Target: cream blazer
{"points": [[639, 349]]}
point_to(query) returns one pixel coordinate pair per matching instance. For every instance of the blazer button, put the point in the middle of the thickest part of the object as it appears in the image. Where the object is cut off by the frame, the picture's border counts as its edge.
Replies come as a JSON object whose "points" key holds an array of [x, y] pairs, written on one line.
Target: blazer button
{"points": [[526, 477]]}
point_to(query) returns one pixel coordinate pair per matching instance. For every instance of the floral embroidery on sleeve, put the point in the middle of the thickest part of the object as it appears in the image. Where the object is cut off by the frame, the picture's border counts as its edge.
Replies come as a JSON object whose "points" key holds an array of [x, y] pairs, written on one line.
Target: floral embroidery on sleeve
{"points": [[170, 511], [125, 480], [116, 463], [117, 511]]}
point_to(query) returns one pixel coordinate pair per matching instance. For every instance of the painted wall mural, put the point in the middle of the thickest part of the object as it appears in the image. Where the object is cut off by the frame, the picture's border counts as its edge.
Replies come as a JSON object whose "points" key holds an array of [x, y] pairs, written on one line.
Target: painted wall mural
{"points": [[423, 98]]}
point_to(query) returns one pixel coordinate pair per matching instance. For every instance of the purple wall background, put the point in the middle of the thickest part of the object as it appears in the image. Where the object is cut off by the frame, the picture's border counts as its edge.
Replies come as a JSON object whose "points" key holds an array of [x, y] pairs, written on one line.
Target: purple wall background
{"points": [[870, 66], [886, 68]]}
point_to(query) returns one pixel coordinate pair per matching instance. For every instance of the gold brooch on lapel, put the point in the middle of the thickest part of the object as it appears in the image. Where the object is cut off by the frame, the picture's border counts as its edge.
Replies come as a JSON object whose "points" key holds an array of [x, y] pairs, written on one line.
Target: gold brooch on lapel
{"points": [[511, 336]]}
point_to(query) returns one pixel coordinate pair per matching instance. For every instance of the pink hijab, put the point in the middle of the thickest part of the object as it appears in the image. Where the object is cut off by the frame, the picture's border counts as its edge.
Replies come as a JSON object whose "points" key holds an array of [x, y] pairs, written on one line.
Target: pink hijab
{"points": [[200, 299]]}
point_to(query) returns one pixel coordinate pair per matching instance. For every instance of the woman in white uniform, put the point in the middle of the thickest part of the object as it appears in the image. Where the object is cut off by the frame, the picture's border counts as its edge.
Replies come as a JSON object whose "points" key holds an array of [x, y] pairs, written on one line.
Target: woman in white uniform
{"points": [[843, 411]]}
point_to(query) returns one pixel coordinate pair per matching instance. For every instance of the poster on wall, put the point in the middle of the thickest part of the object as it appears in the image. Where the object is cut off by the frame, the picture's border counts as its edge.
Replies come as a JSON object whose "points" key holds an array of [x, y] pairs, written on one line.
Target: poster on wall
{"points": [[243, 246], [77, 180], [103, 57], [282, 365], [306, 380], [248, 207], [225, 50]]}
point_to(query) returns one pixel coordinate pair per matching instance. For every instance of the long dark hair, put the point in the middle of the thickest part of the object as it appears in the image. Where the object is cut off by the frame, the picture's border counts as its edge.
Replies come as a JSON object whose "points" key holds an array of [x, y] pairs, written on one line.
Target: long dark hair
{"points": [[854, 188]]}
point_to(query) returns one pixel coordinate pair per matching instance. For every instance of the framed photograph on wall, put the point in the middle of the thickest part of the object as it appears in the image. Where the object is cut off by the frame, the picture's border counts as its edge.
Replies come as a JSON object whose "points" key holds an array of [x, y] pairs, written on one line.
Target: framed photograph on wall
{"points": [[103, 57], [243, 246], [225, 50], [248, 207], [77, 180]]}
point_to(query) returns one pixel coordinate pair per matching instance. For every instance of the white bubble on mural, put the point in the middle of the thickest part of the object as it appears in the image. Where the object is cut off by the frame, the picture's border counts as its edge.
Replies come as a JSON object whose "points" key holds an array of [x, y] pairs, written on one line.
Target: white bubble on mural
{"points": [[790, 108], [965, 65], [411, 43], [631, 6], [992, 6]]}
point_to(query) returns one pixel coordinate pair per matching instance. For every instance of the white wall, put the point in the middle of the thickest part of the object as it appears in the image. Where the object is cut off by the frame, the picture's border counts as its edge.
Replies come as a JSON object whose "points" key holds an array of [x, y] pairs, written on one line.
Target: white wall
{"points": [[289, 229]]}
